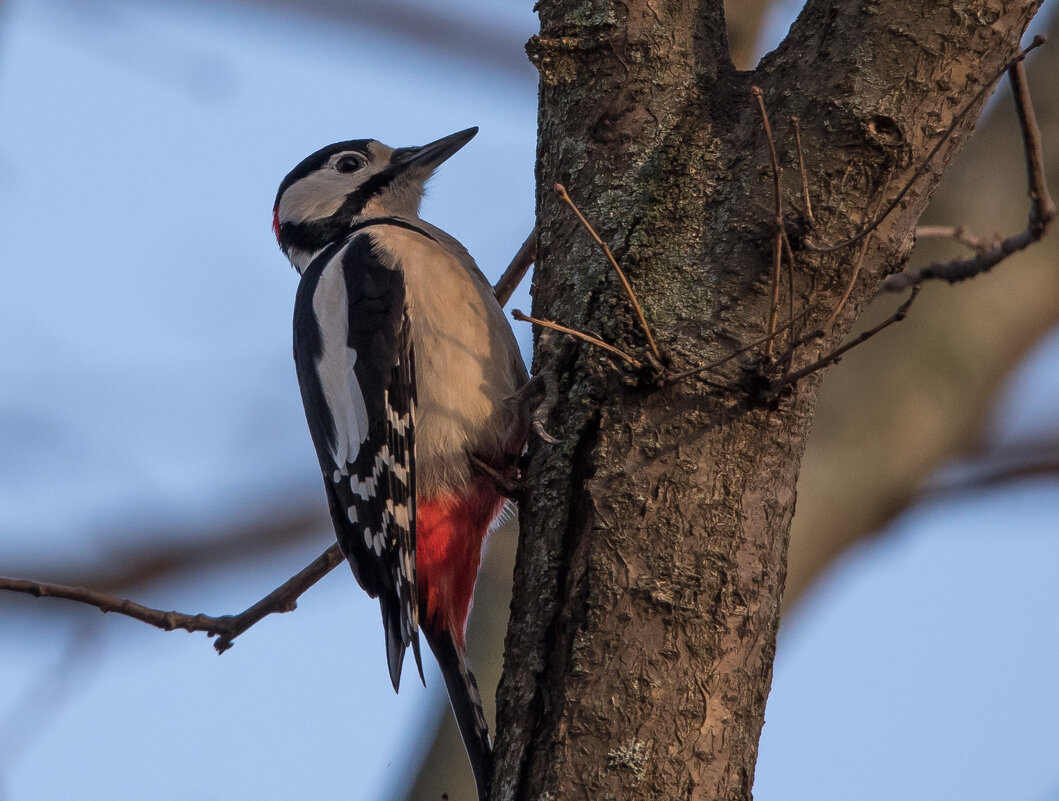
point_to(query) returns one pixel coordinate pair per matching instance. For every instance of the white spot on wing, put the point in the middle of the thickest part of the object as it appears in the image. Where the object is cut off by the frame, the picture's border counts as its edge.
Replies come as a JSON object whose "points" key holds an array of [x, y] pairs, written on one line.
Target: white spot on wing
{"points": [[366, 488], [400, 423], [401, 516]]}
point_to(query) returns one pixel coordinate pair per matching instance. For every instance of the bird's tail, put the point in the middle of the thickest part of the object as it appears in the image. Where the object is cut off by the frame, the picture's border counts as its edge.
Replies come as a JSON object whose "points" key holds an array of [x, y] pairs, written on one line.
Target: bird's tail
{"points": [[466, 705], [396, 642]]}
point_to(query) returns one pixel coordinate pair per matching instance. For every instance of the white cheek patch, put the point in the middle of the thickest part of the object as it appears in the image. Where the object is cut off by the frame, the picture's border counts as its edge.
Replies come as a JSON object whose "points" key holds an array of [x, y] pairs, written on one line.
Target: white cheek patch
{"points": [[316, 196]]}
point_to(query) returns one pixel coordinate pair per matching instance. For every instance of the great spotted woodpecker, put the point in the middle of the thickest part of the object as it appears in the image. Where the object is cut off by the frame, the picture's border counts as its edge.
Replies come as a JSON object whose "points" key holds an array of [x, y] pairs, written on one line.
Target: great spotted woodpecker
{"points": [[409, 374]]}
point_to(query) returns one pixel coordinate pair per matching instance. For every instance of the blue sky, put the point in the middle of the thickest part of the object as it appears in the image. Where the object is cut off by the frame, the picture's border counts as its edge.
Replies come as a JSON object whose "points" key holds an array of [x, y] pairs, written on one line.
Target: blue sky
{"points": [[145, 376]]}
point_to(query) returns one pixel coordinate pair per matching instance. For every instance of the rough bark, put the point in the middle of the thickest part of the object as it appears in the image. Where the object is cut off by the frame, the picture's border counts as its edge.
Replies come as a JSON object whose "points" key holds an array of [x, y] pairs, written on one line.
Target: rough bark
{"points": [[652, 555]]}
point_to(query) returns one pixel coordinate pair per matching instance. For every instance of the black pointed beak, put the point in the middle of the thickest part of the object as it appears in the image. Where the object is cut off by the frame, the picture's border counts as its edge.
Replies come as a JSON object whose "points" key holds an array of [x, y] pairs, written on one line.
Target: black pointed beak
{"points": [[430, 156]]}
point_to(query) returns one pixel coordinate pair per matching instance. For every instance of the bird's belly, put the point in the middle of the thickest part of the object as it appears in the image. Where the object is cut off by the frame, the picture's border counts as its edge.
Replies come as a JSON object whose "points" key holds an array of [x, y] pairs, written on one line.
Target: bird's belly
{"points": [[460, 408], [467, 362]]}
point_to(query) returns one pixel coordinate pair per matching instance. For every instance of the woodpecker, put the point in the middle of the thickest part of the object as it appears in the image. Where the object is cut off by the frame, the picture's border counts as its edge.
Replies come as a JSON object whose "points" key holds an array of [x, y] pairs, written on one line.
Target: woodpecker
{"points": [[409, 374]]}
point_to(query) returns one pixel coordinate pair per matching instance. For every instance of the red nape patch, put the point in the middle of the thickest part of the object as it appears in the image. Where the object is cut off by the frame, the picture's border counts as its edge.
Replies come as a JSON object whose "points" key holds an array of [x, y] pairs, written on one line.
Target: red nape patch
{"points": [[275, 223], [449, 534]]}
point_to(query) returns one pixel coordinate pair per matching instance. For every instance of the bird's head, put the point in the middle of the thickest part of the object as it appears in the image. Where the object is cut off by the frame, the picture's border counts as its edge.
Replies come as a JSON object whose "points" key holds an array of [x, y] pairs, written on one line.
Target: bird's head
{"points": [[328, 191]]}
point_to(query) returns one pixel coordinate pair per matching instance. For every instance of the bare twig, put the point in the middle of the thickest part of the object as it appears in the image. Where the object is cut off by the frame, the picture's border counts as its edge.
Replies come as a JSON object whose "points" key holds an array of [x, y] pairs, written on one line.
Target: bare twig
{"points": [[838, 353], [621, 275], [777, 241], [925, 164], [957, 233], [859, 262], [801, 170], [225, 628], [1042, 208], [562, 329], [516, 271]]}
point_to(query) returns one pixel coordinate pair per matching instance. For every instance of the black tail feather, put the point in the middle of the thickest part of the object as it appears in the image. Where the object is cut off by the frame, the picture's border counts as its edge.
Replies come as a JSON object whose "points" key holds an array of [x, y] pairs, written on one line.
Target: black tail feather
{"points": [[395, 645], [466, 706], [419, 658]]}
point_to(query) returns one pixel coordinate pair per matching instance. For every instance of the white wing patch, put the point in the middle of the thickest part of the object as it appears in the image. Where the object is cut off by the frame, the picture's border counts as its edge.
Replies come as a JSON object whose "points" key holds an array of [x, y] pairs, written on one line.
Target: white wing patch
{"points": [[335, 366]]}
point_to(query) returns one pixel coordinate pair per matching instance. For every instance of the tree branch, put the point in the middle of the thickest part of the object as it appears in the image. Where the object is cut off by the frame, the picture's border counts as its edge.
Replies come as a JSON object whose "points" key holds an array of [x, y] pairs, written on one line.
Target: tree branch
{"points": [[505, 287], [1042, 208], [226, 628]]}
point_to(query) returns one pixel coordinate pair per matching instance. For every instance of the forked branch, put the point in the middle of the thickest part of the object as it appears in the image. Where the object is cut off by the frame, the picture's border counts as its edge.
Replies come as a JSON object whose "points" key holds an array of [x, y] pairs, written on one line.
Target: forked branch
{"points": [[988, 255], [1042, 207]]}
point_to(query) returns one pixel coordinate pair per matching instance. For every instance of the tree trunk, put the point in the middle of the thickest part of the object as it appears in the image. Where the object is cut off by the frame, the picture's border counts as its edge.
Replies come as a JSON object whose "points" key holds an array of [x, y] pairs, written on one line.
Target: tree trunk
{"points": [[652, 550]]}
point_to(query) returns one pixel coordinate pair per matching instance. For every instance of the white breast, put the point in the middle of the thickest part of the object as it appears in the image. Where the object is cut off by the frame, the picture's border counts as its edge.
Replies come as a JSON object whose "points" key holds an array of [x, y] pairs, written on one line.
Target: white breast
{"points": [[467, 361]]}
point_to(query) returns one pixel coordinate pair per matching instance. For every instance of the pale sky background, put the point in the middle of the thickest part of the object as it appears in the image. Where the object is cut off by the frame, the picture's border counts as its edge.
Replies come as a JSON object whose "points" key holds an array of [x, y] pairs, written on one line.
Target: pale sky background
{"points": [[146, 383]]}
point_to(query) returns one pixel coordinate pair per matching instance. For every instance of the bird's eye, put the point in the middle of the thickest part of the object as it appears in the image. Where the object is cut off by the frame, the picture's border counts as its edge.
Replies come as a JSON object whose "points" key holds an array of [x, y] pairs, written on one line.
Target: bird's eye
{"points": [[349, 164]]}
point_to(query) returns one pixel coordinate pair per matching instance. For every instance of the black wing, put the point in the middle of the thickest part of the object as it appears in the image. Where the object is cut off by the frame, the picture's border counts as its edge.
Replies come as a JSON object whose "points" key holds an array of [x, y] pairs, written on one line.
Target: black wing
{"points": [[355, 362]]}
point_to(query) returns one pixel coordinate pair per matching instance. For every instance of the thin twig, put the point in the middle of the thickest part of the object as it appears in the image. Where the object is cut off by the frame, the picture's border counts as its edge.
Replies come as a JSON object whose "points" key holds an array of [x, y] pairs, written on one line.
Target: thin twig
{"points": [[958, 234], [859, 262], [925, 164], [777, 241], [226, 628], [838, 353], [592, 340], [1042, 208], [621, 275], [516, 271], [801, 170], [674, 377]]}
